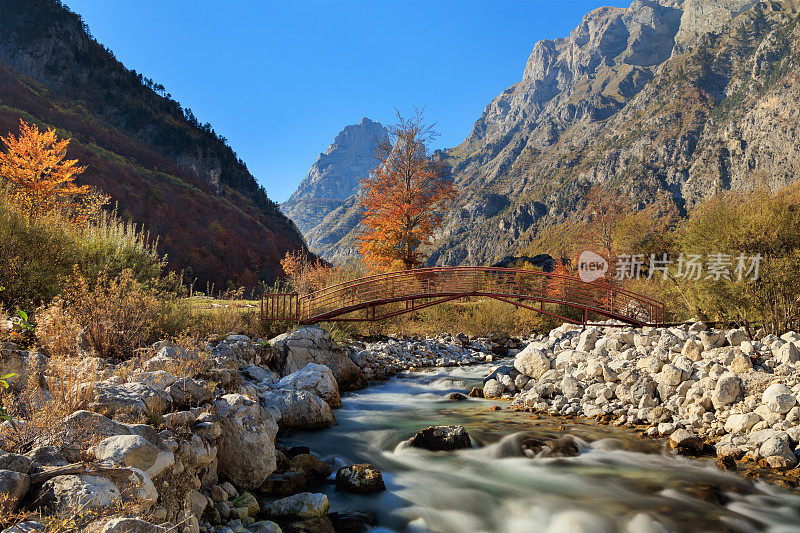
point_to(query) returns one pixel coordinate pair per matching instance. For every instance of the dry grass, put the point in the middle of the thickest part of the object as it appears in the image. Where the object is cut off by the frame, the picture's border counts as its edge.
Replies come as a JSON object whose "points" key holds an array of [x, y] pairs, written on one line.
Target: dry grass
{"points": [[55, 388]]}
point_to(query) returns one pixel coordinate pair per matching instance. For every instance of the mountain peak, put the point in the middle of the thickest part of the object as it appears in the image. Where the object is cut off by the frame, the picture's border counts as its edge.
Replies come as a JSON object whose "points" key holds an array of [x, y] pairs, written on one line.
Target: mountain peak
{"points": [[335, 174]]}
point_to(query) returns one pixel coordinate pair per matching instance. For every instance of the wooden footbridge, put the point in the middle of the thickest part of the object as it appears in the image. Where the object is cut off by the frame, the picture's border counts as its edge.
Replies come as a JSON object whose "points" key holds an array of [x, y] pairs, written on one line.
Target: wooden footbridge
{"points": [[386, 295]]}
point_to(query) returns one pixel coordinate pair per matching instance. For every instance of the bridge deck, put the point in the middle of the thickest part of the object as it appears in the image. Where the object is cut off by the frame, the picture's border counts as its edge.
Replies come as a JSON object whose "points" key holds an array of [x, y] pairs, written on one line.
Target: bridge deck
{"points": [[378, 295]]}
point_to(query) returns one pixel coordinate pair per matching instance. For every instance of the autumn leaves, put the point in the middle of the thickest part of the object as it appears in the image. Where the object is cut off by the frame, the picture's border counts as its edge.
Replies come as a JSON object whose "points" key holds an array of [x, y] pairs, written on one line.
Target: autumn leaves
{"points": [[36, 177], [403, 197]]}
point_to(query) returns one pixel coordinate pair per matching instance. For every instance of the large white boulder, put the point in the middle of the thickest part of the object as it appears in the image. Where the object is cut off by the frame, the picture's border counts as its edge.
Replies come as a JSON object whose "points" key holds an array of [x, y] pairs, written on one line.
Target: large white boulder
{"points": [[70, 492], [246, 447], [779, 398], [532, 362], [294, 350], [134, 451], [314, 378], [727, 390], [299, 409], [741, 423]]}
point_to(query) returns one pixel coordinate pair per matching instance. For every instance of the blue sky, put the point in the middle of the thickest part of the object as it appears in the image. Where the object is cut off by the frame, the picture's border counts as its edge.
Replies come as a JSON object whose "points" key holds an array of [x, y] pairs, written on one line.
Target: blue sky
{"points": [[280, 79]]}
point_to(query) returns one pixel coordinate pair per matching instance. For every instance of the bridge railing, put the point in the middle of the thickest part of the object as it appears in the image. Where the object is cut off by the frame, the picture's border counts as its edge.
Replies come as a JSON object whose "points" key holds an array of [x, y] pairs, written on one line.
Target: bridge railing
{"points": [[513, 284]]}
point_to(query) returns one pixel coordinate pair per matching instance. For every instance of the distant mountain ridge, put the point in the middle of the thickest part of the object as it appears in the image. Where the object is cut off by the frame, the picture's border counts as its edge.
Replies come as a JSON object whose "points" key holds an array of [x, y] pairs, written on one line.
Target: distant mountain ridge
{"points": [[162, 167], [334, 176], [664, 101]]}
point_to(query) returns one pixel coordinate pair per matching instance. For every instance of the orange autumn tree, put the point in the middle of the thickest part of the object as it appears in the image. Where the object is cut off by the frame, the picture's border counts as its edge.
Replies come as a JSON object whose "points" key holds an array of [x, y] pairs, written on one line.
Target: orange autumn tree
{"points": [[36, 177], [402, 197]]}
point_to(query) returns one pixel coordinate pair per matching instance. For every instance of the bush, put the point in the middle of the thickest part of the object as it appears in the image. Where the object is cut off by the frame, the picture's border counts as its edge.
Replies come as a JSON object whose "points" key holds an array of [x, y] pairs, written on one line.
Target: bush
{"points": [[37, 257], [113, 316]]}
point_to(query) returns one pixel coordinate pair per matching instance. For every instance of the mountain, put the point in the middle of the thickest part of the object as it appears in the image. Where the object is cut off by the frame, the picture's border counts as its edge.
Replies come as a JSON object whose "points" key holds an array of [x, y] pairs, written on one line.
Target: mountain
{"points": [[334, 176], [160, 166], [665, 101]]}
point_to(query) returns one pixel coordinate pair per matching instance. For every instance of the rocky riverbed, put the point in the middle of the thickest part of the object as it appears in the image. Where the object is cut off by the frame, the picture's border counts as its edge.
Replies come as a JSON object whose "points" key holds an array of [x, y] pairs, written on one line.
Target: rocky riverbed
{"points": [[709, 391], [216, 441]]}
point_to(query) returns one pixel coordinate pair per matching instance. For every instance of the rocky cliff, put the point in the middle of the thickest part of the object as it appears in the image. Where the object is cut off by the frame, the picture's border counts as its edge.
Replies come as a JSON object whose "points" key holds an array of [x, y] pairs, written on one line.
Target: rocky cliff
{"points": [[335, 174], [160, 166], [662, 101]]}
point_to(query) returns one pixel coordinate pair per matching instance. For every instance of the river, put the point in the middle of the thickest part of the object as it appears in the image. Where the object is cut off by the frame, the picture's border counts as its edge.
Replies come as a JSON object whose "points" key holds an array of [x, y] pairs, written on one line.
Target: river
{"points": [[620, 481]]}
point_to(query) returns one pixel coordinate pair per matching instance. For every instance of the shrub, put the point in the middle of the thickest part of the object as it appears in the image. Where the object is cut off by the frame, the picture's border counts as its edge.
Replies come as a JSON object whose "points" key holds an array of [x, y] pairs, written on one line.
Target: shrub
{"points": [[37, 257], [113, 315]]}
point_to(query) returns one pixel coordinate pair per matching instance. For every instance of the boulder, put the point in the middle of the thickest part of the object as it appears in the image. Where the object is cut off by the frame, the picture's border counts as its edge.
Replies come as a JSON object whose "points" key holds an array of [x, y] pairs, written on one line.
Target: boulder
{"points": [[359, 479], [741, 364], [246, 447], [532, 362], [787, 354], [741, 423], [692, 350], [735, 337], [442, 438], [15, 462], [727, 390], [310, 467], [493, 389], [299, 409], [264, 526], [779, 398], [314, 378], [294, 350], [126, 450], [189, 392], [13, 486], [685, 442], [777, 454], [70, 492], [131, 525], [353, 521], [111, 400], [303, 505]]}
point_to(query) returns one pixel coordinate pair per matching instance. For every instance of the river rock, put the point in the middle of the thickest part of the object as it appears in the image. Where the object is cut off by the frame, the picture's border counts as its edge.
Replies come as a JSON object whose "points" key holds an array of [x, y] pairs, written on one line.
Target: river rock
{"points": [[311, 344], [131, 525], [359, 479], [532, 362], [66, 493], [777, 454], [493, 389], [787, 354], [190, 392], [314, 378], [13, 486], [280, 485], [303, 505], [246, 447], [111, 399], [352, 521], [741, 423], [310, 467], [442, 438], [264, 526], [779, 398], [299, 409], [685, 442], [727, 390], [127, 450]]}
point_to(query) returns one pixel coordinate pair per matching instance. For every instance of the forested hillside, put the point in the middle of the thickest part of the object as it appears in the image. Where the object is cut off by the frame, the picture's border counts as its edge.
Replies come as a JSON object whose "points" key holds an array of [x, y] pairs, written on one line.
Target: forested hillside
{"points": [[161, 166]]}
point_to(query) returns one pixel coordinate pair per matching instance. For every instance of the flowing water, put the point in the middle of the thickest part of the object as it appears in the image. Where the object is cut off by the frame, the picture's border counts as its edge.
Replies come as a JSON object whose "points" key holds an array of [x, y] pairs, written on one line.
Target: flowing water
{"points": [[619, 482]]}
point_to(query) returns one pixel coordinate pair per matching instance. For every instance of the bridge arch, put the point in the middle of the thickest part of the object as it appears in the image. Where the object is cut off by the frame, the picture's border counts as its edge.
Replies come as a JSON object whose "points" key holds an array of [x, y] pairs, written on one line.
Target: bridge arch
{"points": [[370, 298]]}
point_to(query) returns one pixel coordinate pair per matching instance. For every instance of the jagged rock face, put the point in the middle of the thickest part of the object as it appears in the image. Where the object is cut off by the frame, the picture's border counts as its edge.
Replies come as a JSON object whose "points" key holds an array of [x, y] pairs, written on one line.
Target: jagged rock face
{"points": [[666, 101], [335, 174]]}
